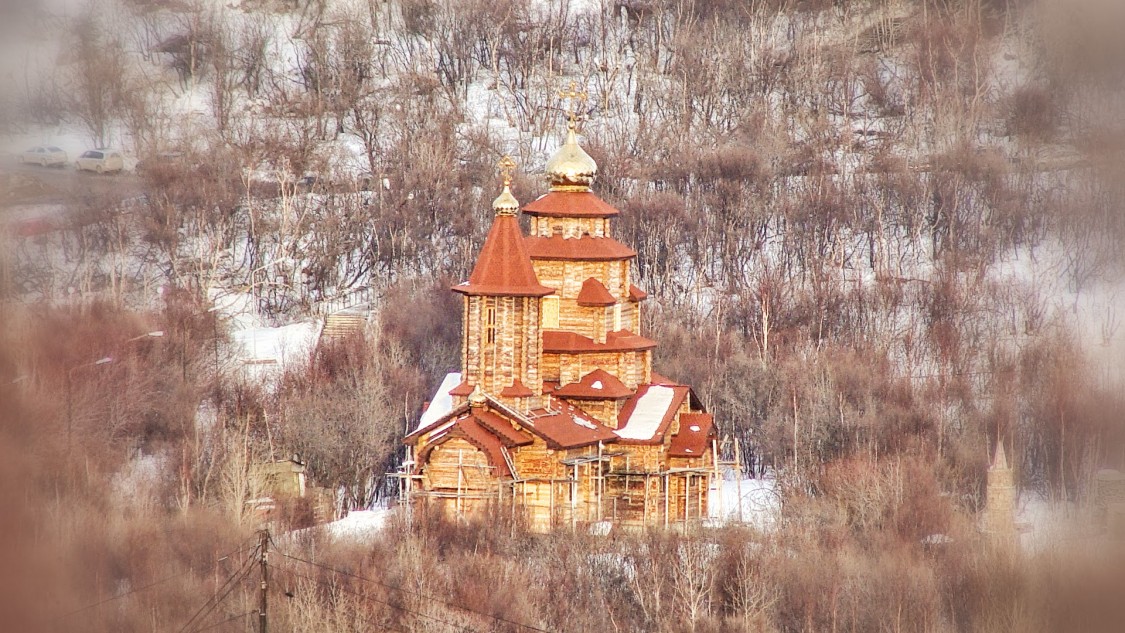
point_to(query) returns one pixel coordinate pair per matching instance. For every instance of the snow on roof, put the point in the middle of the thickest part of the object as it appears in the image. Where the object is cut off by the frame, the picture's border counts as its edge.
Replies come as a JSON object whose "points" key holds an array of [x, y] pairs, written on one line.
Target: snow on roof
{"points": [[648, 414], [442, 403], [581, 421]]}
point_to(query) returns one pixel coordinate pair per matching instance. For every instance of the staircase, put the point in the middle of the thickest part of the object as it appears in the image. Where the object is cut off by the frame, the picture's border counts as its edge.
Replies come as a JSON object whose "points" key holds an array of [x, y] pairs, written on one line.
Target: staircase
{"points": [[341, 325]]}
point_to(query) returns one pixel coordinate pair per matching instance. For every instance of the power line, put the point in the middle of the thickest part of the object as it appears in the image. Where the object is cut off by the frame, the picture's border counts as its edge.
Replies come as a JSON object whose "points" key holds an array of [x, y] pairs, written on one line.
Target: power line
{"points": [[150, 585], [222, 622], [224, 590], [415, 593], [369, 597], [294, 574]]}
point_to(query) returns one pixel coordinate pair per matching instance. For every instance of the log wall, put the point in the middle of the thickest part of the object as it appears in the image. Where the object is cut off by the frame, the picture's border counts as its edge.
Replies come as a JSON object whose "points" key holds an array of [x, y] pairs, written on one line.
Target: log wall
{"points": [[513, 349]]}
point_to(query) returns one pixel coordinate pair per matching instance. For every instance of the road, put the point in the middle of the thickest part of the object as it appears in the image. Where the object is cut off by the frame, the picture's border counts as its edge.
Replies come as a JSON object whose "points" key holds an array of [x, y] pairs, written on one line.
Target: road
{"points": [[32, 184]]}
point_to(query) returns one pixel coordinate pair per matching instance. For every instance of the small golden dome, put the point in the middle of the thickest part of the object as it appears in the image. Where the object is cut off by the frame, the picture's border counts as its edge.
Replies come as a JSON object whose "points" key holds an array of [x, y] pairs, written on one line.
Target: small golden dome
{"points": [[506, 203], [571, 168]]}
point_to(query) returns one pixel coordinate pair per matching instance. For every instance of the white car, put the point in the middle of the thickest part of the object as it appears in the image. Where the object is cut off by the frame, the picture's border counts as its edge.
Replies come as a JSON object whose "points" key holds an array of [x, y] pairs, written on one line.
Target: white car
{"points": [[100, 161], [44, 156]]}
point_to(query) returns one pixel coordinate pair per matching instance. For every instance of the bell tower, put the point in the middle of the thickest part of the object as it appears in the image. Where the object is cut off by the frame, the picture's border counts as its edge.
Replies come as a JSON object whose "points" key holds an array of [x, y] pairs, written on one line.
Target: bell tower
{"points": [[501, 344]]}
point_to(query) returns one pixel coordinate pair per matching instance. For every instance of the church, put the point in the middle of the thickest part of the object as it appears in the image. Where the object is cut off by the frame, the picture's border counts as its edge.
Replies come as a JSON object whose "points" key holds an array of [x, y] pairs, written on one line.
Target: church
{"points": [[556, 416]]}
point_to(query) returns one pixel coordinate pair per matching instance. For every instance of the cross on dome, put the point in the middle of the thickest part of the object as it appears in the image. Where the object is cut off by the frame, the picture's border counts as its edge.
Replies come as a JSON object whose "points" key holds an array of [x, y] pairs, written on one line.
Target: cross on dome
{"points": [[571, 168], [574, 95], [507, 166], [506, 203]]}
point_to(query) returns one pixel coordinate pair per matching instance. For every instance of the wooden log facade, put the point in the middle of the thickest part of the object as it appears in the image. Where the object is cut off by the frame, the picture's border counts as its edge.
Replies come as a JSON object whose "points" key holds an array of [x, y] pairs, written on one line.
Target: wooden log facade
{"points": [[556, 414]]}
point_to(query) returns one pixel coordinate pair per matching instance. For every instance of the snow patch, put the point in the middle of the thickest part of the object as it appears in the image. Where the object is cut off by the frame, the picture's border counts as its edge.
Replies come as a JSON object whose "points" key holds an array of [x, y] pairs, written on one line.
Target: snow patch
{"points": [[358, 526], [754, 502], [265, 352], [580, 421], [647, 415]]}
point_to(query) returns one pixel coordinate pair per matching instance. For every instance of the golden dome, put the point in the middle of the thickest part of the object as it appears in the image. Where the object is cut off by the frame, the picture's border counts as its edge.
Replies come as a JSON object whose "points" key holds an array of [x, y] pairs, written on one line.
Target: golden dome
{"points": [[571, 168], [505, 203]]}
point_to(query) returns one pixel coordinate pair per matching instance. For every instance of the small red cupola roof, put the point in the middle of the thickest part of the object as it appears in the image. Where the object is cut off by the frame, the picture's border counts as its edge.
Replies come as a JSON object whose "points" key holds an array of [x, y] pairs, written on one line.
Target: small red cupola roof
{"points": [[596, 385], [517, 390], [594, 294], [570, 204], [503, 268]]}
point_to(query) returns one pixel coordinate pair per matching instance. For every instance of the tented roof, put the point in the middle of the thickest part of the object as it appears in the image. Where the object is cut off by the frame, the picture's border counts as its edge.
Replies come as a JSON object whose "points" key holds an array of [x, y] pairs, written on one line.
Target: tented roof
{"points": [[503, 268]]}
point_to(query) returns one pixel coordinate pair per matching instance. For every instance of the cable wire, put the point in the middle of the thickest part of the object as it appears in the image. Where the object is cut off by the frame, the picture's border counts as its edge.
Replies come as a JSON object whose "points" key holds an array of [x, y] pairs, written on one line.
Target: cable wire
{"points": [[224, 589], [150, 585], [366, 596], [417, 594], [294, 574], [222, 622]]}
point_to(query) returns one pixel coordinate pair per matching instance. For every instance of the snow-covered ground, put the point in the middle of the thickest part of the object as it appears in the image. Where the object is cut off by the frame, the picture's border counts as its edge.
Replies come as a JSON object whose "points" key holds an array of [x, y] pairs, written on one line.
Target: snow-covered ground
{"points": [[266, 351], [263, 352], [1042, 522], [754, 502], [357, 526]]}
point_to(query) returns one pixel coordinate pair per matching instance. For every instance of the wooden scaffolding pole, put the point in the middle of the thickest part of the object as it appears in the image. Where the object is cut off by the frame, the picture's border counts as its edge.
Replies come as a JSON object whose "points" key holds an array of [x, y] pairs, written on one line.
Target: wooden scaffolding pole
{"points": [[460, 479], [667, 493], [687, 497]]}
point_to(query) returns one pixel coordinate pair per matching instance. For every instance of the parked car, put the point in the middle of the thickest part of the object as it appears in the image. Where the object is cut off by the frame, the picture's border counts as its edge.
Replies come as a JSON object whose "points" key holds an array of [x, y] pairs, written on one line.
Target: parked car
{"points": [[44, 155], [100, 160]]}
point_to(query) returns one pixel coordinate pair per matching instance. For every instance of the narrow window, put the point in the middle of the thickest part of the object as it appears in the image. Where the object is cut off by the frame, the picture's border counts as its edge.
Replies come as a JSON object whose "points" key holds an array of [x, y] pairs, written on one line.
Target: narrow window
{"points": [[549, 319], [490, 325]]}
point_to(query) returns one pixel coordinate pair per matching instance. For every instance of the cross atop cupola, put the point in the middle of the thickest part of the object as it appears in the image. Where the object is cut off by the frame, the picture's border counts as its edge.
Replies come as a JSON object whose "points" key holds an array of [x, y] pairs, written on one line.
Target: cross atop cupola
{"points": [[571, 168], [506, 203], [574, 96]]}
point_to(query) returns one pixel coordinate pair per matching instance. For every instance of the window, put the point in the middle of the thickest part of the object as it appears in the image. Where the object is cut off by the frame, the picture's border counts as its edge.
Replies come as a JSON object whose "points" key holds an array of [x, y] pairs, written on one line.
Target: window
{"points": [[490, 325], [549, 319]]}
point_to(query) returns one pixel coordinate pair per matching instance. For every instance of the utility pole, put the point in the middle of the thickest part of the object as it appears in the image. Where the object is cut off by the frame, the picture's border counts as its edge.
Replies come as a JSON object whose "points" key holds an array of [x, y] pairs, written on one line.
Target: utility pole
{"points": [[263, 549]]}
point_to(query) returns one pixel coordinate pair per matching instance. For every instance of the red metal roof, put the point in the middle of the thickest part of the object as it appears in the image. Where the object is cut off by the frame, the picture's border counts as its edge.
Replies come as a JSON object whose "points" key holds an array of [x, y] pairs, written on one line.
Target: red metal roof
{"points": [[569, 426], [488, 442], [485, 429], [636, 294], [594, 294], [584, 248], [572, 342], [502, 427], [596, 385], [694, 438], [655, 378], [570, 204], [517, 390], [412, 438], [462, 389], [503, 267]]}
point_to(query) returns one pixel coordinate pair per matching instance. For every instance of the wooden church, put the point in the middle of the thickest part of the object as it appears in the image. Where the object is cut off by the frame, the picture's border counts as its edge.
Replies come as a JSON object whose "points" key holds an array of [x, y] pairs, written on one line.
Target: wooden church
{"points": [[556, 415]]}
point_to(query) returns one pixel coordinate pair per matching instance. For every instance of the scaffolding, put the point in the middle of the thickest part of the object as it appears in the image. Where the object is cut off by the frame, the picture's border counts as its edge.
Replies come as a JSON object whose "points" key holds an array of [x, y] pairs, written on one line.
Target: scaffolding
{"points": [[601, 486]]}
